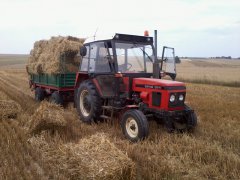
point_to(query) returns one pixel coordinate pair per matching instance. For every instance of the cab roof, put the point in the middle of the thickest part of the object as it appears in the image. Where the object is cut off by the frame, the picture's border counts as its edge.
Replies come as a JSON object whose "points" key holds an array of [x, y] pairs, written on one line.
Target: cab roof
{"points": [[127, 38]]}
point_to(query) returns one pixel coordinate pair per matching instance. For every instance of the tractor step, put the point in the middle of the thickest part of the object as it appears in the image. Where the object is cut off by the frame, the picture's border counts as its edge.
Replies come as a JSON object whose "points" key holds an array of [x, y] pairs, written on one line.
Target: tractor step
{"points": [[105, 117], [107, 107], [111, 108]]}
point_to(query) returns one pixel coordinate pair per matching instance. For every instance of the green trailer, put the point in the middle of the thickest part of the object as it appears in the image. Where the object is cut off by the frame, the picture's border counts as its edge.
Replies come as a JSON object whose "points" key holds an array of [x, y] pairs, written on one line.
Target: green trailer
{"points": [[57, 87], [54, 80]]}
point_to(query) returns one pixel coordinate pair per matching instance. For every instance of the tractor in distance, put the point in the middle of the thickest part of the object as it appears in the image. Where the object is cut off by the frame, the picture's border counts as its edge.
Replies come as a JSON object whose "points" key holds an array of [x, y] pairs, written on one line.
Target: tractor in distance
{"points": [[123, 76]]}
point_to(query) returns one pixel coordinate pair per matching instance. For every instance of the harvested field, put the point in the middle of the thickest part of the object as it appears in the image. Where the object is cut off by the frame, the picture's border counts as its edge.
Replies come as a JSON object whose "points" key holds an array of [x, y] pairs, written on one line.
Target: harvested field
{"points": [[211, 152], [9, 109], [13, 61], [210, 71]]}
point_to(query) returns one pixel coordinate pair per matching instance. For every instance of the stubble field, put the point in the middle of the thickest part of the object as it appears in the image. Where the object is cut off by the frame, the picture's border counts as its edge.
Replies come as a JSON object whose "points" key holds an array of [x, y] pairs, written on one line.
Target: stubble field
{"points": [[223, 72], [211, 152]]}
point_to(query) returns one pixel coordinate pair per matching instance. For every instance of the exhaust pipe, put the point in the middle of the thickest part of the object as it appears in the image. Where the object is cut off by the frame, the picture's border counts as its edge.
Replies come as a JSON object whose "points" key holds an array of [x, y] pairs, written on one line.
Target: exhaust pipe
{"points": [[156, 68]]}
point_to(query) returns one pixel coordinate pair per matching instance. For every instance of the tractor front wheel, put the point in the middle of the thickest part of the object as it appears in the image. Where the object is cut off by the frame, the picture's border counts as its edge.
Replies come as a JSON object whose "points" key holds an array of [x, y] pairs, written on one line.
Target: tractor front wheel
{"points": [[88, 102], [134, 125], [189, 123]]}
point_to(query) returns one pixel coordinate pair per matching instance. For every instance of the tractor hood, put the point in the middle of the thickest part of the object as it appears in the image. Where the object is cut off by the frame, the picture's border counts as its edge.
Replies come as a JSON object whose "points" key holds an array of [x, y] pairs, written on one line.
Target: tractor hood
{"points": [[151, 83]]}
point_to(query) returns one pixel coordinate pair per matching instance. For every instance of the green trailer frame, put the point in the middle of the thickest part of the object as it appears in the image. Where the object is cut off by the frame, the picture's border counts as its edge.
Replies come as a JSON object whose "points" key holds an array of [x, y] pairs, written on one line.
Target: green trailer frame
{"points": [[66, 80]]}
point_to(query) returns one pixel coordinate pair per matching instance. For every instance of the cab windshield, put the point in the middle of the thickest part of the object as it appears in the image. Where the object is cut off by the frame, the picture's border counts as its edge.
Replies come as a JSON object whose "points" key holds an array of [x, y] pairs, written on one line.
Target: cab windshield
{"points": [[134, 58]]}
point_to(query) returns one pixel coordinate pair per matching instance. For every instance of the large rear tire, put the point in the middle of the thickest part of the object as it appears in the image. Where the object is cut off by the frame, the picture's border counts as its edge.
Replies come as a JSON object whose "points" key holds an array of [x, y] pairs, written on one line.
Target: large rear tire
{"points": [[39, 94], [89, 103], [134, 125]]}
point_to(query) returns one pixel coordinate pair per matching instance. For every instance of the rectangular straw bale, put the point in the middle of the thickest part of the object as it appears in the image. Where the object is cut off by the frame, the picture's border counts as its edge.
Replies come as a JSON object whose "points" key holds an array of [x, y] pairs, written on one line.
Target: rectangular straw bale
{"points": [[102, 158], [94, 157], [48, 56], [48, 116]]}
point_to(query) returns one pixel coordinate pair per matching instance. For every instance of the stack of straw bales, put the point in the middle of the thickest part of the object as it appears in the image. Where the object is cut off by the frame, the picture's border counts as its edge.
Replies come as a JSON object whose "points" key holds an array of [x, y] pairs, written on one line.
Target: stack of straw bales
{"points": [[47, 117], [9, 109], [57, 55], [92, 158]]}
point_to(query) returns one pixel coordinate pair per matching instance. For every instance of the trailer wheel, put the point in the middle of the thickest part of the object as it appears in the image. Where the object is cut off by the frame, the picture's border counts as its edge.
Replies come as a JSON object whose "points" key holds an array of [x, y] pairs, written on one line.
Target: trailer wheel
{"points": [[39, 94], [56, 98], [89, 104], [134, 125]]}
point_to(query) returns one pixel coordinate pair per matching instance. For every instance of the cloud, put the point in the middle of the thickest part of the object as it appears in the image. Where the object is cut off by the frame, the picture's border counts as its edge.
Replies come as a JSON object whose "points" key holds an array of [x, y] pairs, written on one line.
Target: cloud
{"points": [[29, 20]]}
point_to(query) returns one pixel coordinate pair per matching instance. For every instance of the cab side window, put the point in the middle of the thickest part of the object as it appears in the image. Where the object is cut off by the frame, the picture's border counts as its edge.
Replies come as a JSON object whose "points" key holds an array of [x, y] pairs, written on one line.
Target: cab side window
{"points": [[98, 58], [102, 62], [93, 57]]}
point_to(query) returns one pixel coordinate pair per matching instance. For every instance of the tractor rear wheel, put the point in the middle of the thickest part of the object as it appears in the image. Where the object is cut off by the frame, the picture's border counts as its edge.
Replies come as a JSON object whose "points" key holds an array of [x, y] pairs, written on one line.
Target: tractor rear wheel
{"points": [[39, 94], [56, 98], [134, 125], [89, 103]]}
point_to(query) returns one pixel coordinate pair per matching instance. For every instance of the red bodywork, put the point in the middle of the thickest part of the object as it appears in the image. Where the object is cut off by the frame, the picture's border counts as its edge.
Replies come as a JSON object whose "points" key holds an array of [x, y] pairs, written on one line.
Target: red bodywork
{"points": [[145, 87], [148, 85], [80, 76]]}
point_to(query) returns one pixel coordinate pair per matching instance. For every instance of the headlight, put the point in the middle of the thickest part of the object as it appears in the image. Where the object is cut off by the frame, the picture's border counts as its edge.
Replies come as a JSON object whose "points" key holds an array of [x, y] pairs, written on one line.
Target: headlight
{"points": [[181, 97], [172, 98]]}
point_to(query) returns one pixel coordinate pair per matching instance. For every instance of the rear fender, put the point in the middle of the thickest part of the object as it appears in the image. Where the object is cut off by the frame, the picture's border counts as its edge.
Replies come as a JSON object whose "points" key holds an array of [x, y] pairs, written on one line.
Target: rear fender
{"points": [[80, 77], [105, 85], [95, 82]]}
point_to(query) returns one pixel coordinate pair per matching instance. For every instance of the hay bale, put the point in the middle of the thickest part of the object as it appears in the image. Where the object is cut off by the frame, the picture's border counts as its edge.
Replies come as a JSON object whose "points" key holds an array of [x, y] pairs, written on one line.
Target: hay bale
{"points": [[9, 109], [102, 158], [92, 158], [50, 56], [48, 116]]}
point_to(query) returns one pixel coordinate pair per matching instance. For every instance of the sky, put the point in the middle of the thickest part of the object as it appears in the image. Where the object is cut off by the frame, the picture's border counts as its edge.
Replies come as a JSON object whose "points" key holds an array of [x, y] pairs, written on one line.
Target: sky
{"points": [[195, 28]]}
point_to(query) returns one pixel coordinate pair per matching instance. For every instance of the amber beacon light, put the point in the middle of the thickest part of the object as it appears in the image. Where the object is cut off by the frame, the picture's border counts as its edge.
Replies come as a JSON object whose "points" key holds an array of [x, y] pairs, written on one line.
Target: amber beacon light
{"points": [[146, 33]]}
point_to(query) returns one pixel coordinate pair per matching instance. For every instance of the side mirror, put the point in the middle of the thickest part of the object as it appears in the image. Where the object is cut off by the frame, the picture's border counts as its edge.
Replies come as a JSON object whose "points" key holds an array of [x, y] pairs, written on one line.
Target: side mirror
{"points": [[83, 51]]}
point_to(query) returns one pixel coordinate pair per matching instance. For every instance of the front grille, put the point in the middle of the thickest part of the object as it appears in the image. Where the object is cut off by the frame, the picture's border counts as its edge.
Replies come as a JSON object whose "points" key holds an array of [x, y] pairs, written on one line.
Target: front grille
{"points": [[156, 98], [177, 102]]}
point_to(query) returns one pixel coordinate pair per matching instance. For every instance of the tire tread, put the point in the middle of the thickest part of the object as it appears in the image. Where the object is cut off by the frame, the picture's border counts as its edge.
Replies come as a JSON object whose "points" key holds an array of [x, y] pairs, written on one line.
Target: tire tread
{"points": [[97, 105], [140, 119]]}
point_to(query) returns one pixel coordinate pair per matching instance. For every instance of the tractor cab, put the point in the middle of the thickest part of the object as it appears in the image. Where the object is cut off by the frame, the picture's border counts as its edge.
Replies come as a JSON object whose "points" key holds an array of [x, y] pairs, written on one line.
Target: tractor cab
{"points": [[122, 54], [126, 56], [129, 55]]}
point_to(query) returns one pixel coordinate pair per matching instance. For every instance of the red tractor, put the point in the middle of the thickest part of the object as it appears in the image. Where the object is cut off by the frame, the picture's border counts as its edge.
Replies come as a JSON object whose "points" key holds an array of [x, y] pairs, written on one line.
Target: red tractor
{"points": [[123, 76]]}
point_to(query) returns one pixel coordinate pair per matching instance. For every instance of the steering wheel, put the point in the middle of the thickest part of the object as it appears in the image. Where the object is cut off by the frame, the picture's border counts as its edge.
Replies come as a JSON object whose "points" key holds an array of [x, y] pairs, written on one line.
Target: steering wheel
{"points": [[108, 57], [123, 67], [130, 66]]}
